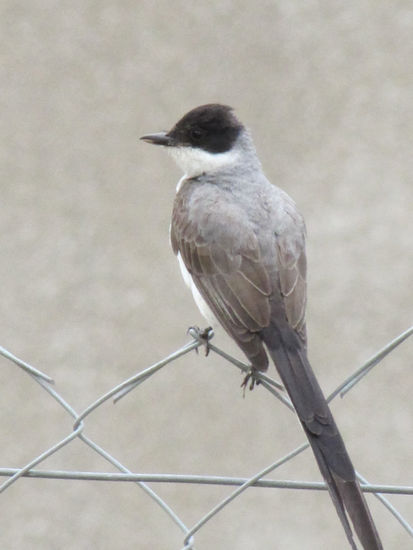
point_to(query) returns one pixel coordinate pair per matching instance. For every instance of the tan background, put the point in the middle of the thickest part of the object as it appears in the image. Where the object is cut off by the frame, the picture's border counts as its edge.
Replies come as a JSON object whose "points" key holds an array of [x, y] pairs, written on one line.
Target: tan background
{"points": [[90, 291]]}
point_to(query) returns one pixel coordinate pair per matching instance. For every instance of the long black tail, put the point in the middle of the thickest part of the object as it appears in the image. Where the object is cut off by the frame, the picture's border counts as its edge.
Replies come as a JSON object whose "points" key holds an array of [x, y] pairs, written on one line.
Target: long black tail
{"points": [[295, 371]]}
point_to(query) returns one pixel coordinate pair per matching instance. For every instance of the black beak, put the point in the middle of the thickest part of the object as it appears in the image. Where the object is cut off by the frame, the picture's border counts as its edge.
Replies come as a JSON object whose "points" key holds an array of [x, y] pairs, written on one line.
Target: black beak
{"points": [[161, 138]]}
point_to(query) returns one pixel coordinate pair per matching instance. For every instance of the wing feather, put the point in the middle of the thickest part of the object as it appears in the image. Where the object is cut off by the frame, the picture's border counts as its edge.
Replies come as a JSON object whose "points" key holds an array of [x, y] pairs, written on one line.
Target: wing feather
{"points": [[292, 276]]}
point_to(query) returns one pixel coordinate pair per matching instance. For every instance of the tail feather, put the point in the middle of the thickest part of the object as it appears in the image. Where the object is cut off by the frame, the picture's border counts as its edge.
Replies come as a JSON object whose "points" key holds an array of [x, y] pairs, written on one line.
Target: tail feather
{"points": [[360, 515], [295, 371]]}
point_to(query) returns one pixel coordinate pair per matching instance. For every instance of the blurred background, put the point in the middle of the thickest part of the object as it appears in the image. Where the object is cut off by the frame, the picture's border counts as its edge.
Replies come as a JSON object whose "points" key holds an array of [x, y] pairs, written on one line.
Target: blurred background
{"points": [[90, 291]]}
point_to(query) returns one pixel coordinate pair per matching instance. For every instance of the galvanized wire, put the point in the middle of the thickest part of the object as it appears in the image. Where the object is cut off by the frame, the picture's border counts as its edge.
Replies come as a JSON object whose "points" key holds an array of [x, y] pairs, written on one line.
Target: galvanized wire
{"points": [[142, 479]]}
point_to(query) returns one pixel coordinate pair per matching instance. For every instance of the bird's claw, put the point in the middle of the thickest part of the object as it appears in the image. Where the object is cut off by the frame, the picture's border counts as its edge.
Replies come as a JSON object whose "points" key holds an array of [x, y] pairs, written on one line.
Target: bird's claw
{"points": [[203, 336], [251, 379]]}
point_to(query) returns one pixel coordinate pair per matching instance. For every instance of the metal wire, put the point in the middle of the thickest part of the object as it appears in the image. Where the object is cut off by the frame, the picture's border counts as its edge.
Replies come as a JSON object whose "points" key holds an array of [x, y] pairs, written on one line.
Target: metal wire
{"points": [[141, 479]]}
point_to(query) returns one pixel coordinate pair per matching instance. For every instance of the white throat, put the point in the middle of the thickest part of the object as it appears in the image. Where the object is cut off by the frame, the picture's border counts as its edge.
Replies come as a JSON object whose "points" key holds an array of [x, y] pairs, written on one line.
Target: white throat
{"points": [[194, 161]]}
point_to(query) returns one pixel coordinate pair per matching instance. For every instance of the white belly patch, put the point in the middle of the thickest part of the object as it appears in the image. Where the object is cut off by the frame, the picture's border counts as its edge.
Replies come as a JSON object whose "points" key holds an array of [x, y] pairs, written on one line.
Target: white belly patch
{"points": [[200, 302]]}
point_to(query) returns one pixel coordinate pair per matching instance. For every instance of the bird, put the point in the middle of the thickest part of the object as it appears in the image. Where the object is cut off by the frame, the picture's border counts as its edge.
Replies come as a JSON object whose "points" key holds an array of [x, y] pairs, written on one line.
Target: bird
{"points": [[240, 244]]}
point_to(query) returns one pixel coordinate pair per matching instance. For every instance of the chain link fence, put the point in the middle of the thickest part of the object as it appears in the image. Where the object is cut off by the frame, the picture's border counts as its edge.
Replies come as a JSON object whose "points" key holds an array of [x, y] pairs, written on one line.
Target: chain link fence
{"points": [[236, 485]]}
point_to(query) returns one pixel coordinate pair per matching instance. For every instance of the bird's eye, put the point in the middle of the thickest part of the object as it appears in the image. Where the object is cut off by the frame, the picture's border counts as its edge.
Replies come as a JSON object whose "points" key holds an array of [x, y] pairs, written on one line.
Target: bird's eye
{"points": [[196, 133]]}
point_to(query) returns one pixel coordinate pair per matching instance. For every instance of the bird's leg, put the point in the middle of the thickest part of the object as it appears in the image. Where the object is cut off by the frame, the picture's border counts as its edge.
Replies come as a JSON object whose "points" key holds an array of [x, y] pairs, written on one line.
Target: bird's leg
{"points": [[203, 336]]}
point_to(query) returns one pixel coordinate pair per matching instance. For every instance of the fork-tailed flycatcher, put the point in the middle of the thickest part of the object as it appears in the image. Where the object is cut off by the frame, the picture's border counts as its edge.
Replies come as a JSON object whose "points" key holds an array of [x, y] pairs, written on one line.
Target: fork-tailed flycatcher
{"points": [[240, 243]]}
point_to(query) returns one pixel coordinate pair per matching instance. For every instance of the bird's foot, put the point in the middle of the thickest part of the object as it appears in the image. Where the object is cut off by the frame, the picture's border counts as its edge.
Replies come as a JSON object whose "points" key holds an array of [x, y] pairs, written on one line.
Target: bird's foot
{"points": [[250, 379], [203, 336]]}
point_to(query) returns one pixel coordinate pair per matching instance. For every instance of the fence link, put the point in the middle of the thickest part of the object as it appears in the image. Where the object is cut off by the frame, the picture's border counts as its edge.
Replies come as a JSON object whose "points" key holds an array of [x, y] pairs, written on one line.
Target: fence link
{"points": [[30, 470]]}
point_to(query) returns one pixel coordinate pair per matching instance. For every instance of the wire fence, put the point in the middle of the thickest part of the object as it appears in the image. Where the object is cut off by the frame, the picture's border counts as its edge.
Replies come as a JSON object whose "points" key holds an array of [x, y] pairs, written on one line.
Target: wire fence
{"points": [[240, 485]]}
